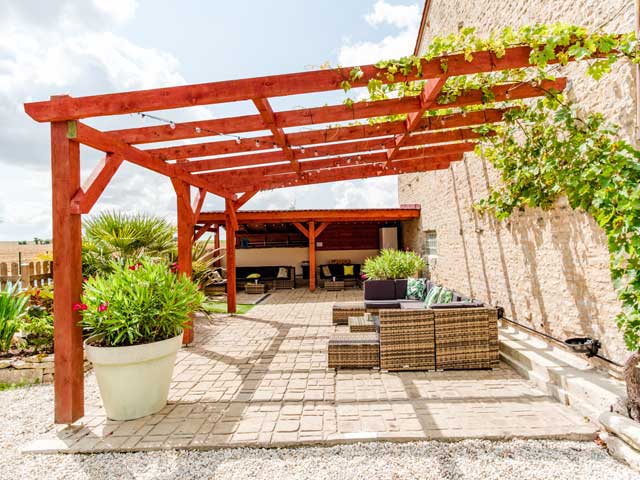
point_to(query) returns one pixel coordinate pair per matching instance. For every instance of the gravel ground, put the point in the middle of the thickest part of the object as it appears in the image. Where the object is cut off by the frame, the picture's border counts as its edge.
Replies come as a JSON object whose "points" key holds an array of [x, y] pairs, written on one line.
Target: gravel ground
{"points": [[26, 415]]}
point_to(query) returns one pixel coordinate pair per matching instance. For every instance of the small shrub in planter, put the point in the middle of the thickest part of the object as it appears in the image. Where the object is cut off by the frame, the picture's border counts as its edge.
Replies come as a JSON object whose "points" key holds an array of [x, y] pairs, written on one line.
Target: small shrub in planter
{"points": [[393, 264], [134, 317]]}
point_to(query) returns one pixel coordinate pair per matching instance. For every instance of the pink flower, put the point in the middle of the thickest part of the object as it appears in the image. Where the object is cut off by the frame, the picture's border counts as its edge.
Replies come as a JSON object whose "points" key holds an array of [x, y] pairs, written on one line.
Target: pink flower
{"points": [[103, 307], [363, 277], [79, 306], [174, 267], [84, 279]]}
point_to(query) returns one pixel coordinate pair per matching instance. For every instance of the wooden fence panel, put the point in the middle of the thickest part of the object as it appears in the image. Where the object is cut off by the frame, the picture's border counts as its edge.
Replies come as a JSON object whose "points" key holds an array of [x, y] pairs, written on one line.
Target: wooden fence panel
{"points": [[34, 274]]}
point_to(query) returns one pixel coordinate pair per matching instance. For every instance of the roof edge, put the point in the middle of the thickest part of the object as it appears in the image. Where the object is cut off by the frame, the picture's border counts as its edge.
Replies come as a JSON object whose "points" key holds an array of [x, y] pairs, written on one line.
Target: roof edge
{"points": [[423, 24]]}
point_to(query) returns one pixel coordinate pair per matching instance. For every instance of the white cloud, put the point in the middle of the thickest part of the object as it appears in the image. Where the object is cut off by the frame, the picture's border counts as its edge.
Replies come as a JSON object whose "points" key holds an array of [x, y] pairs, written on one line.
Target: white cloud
{"points": [[406, 18], [371, 193], [67, 47]]}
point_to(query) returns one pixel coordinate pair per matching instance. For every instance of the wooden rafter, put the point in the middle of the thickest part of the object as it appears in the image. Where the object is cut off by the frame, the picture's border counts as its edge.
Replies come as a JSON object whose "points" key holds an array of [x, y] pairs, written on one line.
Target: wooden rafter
{"points": [[359, 110], [404, 212], [244, 198], [110, 143], [201, 230], [198, 202], [428, 98], [263, 87], [269, 119], [302, 229], [247, 175], [355, 172], [321, 228], [86, 197]]}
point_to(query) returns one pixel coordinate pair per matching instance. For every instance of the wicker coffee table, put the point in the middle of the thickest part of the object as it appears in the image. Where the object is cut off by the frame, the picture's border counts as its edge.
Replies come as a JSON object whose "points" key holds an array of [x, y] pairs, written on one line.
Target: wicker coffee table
{"points": [[364, 323], [254, 287], [333, 285]]}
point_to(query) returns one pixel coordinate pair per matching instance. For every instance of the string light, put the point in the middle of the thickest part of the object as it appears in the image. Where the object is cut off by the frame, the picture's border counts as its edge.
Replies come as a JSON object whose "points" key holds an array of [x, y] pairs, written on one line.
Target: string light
{"points": [[258, 143], [238, 140], [172, 125], [301, 149]]}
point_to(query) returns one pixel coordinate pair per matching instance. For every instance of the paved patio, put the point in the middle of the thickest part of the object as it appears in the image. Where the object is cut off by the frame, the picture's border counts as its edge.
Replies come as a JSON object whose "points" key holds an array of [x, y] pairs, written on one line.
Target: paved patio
{"points": [[262, 380]]}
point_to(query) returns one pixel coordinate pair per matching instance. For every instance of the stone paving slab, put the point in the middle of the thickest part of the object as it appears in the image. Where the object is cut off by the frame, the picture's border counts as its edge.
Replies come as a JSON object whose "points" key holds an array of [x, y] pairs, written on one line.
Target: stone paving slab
{"points": [[262, 380]]}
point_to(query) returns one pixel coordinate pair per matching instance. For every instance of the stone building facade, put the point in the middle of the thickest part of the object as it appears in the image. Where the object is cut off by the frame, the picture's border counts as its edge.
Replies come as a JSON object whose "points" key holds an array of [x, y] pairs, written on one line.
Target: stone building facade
{"points": [[548, 269]]}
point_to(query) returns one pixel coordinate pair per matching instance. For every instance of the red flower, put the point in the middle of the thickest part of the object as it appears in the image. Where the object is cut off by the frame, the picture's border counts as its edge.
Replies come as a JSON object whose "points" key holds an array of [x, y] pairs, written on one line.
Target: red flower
{"points": [[79, 306], [174, 267], [135, 266], [37, 294], [103, 307]]}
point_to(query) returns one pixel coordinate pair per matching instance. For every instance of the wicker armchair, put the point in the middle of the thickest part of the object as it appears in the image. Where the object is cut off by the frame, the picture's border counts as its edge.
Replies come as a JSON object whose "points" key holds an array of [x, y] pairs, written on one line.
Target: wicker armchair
{"points": [[466, 338], [407, 340]]}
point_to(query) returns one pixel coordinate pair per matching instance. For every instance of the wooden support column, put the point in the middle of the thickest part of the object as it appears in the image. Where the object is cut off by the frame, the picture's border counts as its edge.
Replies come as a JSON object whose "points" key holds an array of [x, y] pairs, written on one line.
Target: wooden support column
{"points": [[185, 240], [67, 260], [312, 256], [216, 243], [230, 227]]}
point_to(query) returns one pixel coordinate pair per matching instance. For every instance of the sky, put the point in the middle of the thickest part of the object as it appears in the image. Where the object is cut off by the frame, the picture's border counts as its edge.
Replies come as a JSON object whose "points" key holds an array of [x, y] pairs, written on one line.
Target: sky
{"points": [[85, 47]]}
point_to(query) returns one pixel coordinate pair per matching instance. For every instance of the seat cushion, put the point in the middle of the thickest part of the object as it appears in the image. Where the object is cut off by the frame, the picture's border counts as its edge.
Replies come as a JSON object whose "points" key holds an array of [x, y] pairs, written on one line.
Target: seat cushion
{"points": [[411, 304], [348, 270], [382, 304]]}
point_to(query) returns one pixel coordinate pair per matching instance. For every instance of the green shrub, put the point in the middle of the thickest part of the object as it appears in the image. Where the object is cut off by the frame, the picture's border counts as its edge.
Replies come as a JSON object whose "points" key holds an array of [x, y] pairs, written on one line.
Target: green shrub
{"points": [[392, 264], [37, 327], [138, 303], [13, 308], [124, 238]]}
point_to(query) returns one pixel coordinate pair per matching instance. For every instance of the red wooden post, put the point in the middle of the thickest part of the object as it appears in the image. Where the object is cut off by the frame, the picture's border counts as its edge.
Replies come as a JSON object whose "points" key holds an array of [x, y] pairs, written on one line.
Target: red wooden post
{"points": [[230, 228], [216, 243], [185, 239], [67, 260], [312, 256]]}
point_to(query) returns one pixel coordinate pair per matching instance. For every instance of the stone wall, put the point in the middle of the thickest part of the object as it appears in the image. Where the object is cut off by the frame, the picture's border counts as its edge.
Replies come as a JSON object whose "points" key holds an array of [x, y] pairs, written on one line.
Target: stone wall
{"points": [[548, 269]]}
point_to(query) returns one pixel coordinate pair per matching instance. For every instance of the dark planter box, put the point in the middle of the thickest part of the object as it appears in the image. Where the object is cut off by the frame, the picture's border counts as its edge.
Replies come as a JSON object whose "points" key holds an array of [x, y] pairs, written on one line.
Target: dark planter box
{"points": [[380, 290], [401, 288]]}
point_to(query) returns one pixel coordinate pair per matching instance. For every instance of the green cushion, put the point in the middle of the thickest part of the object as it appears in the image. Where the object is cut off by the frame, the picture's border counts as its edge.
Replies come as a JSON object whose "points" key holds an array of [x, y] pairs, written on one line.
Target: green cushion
{"points": [[432, 296], [446, 296], [253, 275], [416, 288]]}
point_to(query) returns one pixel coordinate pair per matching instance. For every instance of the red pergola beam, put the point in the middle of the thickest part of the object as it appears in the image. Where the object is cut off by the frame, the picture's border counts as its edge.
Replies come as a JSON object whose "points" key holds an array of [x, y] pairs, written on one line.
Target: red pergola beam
{"points": [[86, 197], [359, 110], [269, 119], [110, 143], [247, 176], [428, 96], [358, 172], [263, 87], [306, 216]]}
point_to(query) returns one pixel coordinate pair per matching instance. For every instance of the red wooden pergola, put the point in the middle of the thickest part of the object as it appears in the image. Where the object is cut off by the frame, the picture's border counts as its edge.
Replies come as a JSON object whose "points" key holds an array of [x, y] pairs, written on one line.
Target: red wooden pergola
{"points": [[237, 169]]}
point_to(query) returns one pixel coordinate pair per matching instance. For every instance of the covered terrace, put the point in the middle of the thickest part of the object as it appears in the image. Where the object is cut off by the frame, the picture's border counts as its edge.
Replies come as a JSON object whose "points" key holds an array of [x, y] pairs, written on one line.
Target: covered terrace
{"points": [[252, 153]]}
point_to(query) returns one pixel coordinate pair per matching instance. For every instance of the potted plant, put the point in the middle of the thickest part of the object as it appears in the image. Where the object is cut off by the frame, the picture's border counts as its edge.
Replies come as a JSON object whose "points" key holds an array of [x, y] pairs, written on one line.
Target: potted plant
{"points": [[389, 271], [134, 318]]}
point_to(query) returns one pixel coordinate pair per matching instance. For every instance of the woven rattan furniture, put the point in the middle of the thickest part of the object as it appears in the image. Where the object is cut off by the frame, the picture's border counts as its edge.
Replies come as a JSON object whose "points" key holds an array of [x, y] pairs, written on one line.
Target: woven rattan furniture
{"points": [[466, 338], [254, 287], [353, 350], [342, 311], [362, 324], [407, 340], [333, 285]]}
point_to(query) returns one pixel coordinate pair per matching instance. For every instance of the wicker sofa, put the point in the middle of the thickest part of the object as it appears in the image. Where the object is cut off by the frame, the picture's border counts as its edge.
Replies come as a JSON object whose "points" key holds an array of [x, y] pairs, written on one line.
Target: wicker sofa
{"points": [[455, 336], [336, 270], [268, 276]]}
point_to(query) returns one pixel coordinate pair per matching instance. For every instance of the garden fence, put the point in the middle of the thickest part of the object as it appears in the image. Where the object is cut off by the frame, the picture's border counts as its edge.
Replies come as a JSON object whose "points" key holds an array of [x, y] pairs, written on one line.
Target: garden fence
{"points": [[31, 274]]}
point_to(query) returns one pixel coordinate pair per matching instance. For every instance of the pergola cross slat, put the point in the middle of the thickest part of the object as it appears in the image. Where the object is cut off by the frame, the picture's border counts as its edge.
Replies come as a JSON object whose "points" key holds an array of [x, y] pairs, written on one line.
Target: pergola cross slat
{"points": [[240, 167]]}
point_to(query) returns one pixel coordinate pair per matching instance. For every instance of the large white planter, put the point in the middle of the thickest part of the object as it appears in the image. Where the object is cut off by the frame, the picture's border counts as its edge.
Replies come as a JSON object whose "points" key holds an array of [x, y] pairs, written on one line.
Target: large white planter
{"points": [[134, 381]]}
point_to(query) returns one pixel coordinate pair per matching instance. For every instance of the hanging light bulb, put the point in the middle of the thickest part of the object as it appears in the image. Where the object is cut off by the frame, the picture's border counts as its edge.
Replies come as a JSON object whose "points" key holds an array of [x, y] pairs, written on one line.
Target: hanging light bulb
{"points": [[301, 149], [464, 114], [198, 130], [258, 143], [172, 125], [359, 157], [315, 152], [238, 140], [507, 95]]}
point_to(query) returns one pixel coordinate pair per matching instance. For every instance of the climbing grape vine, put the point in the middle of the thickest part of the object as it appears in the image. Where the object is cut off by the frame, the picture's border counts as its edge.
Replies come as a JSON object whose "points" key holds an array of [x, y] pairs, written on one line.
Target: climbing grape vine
{"points": [[547, 148]]}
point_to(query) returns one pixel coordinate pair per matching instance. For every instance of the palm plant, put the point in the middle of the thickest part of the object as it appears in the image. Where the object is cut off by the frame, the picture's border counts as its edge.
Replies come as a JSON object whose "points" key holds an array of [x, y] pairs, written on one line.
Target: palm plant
{"points": [[124, 238]]}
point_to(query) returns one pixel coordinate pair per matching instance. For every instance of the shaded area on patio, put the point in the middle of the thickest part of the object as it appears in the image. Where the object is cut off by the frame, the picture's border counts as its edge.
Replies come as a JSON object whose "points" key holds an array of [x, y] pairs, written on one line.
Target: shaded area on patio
{"points": [[262, 380]]}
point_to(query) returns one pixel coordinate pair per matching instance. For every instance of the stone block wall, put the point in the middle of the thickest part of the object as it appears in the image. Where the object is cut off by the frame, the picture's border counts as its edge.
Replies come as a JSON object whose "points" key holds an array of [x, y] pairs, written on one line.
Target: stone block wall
{"points": [[548, 269]]}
